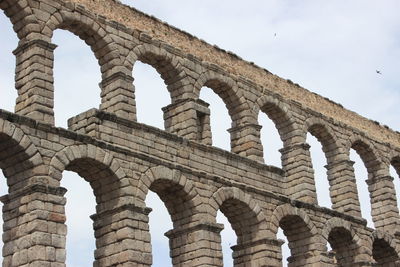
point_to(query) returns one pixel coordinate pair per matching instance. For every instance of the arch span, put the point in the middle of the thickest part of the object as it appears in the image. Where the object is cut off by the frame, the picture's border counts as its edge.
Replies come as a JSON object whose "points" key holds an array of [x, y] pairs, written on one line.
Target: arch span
{"points": [[92, 33], [242, 211], [175, 190], [226, 88], [166, 64], [345, 242], [281, 115], [96, 166], [17, 149], [385, 249], [368, 154]]}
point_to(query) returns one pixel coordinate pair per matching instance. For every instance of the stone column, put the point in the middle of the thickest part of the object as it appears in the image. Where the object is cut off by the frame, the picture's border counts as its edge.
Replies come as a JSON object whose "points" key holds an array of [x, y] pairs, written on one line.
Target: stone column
{"points": [[198, 245], [343, 187], [34, 80], [189, 118], [117, 95], [385, 212], [34, 227], [122, 237], [296, 162], [245, 141], [264, 252]]}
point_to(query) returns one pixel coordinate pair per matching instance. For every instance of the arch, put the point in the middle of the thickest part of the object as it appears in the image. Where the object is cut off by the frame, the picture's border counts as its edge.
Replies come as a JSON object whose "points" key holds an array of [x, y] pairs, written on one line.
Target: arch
{"points": [[385, 249], [344, 241], [92, 33], [17, 149], [166, 64], [20, 11], [326, 136], [365, 149], [300, 231], [227, 89], [242, 211], [395, 161], [175, 190], [96, 166], [280, 114], [285, 210]]}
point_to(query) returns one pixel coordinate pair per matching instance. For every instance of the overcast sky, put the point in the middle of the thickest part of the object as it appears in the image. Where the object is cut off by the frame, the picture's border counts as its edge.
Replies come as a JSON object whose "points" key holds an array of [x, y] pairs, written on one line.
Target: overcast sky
{"points": [[333, 48]]}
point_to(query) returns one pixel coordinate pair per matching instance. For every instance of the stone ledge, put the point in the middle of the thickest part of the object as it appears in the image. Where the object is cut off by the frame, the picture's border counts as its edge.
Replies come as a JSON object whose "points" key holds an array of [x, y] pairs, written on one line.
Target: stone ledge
{"points": [[207, 226]]}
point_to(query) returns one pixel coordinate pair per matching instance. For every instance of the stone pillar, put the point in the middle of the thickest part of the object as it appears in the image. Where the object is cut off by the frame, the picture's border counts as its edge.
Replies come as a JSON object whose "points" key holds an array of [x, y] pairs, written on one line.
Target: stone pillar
{"points": [[343, 187], [34, 227], [385, 213], [189, 118], [34, 80], [296, 162], [198, 245], [264, 252], [117, 95], [245, 141], [122, 237]]}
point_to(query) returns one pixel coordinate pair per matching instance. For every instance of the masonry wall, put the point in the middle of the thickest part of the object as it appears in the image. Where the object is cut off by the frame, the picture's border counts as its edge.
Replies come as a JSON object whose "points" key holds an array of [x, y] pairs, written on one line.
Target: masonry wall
{"points": [[122, 159]]}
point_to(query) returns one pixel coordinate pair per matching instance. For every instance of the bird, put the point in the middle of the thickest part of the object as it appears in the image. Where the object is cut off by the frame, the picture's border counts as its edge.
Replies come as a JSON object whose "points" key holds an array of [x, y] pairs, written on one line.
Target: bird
{"points": [[275, 35], [379, 72]]}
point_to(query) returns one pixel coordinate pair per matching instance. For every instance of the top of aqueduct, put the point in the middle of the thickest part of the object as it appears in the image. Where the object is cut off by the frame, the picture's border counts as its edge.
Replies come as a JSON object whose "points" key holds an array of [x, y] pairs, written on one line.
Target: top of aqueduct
{"points": [[233, 64]]}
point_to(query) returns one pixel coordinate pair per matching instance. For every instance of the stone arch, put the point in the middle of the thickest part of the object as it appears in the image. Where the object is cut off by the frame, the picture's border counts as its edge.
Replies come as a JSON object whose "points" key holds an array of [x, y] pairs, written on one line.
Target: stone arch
{"points": [[366, 150], [385, 249], [395, 161], [251, 224], [280, 114], [344, 241], [300, 231], [227, 89], [20, 11], [95, 165], [288, 210], [175, 190], [326, 136], [92, 33], [17, 149], [165, 63]]}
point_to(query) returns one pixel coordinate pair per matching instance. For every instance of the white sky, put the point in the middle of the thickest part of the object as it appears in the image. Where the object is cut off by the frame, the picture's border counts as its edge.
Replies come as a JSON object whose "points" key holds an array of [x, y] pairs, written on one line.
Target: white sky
{"points": [[332, 48]]}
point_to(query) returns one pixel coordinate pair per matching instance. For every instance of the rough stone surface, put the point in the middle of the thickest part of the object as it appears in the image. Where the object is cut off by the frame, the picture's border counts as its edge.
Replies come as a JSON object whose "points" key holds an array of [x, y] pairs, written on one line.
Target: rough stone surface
{"points": [[122, 159]]}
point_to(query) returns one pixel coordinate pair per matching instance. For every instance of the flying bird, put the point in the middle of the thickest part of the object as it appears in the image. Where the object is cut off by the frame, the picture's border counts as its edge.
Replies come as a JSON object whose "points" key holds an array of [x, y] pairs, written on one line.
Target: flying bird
{"points": [[379, 72]]}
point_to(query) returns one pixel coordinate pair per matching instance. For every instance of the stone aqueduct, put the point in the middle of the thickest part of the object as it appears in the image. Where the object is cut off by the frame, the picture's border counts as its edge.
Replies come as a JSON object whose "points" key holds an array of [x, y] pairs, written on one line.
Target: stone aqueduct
{"points": [[122, 159]]}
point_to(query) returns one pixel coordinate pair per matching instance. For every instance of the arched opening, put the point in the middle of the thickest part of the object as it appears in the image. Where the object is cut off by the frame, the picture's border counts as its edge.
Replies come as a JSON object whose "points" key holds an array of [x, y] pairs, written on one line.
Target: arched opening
{"points": [[220, 120], [151, 95], [245, 224], [343, 246], [395, 173], [319, 162], [180, 206], [80, 244], [383, 253], [278, 133], [270, 140], [284, 248], [104, 186], [299, 239], [9, 42], [228, 239], [358, 151], [76, 77], [159, 242]]}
